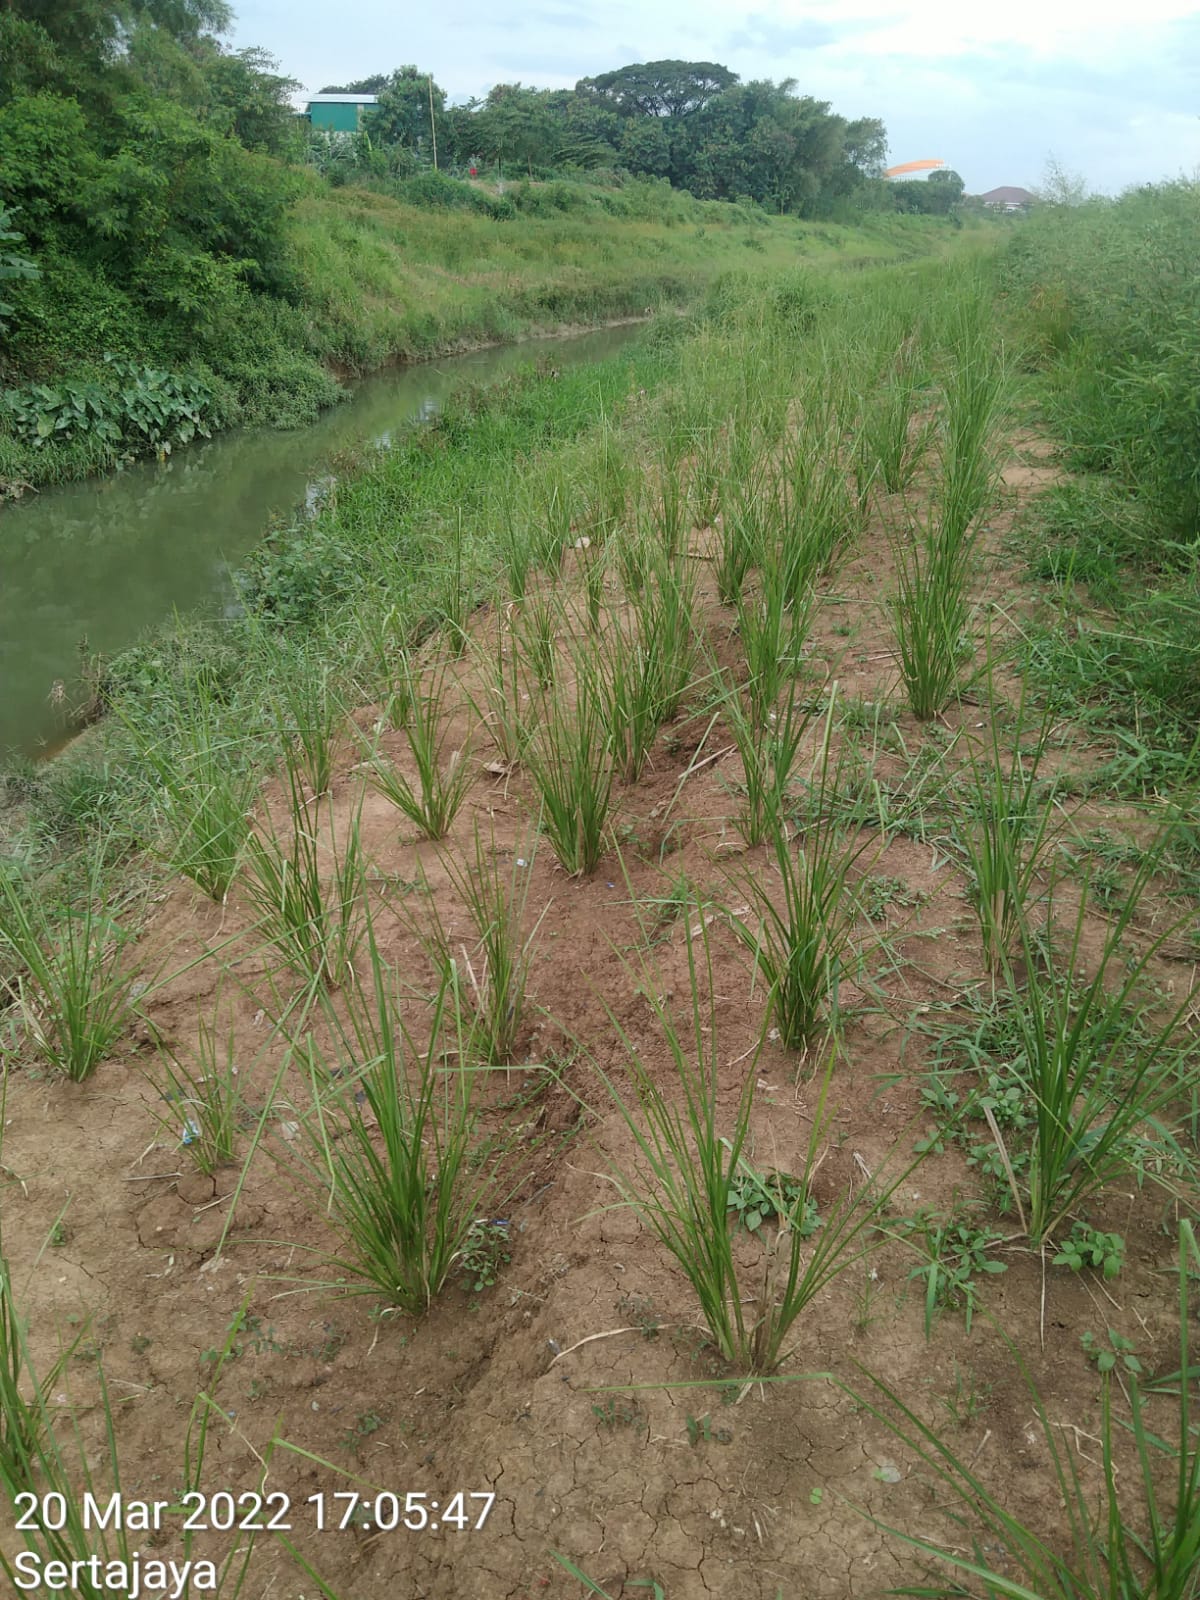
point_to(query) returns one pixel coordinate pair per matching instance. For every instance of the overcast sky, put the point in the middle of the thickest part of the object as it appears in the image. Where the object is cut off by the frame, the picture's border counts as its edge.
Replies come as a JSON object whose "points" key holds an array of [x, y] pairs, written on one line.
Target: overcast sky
{"points": [[1111, 91]]}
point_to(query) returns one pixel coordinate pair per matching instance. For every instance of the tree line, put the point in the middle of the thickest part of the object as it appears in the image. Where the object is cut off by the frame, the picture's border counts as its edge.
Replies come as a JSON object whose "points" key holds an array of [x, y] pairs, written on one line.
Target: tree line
{"points": [[694, 123]]}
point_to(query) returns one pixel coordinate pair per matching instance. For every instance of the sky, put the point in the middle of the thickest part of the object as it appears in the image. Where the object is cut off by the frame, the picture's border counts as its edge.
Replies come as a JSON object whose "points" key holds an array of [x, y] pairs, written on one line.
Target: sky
{"points": [[1110, 92]]}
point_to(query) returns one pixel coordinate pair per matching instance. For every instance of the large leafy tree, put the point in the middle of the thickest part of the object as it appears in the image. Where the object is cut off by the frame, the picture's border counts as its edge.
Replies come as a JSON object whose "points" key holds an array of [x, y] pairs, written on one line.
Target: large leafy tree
{"points": [[935, 196], [403, 114], [141, 160], [866, 146], [518, 124], [645, 148], [761, 139], [371, 85], [660, 88], [249, 99]]}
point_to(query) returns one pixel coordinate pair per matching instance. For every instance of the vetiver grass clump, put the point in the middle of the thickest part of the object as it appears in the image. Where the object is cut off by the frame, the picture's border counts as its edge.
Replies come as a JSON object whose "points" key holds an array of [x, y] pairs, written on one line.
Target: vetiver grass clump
{"points": [[690, 1142], [490, 972], [935, 552], [308, 888], [204, 785], [73, 972], [387, 1146], [1009, 828], [802, 911], [1100, 1061], [1083, 1063], [646, 663], [572, 764], [443, 777]]}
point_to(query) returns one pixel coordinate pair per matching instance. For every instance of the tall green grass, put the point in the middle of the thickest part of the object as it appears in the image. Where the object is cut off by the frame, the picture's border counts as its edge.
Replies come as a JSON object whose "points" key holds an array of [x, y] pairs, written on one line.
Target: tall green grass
{"points": [[387, 1146], [73, 970], [204, 785], [689, 1136], [893, 436], [976, 396], [572, 765], [645, 664], [930, 612], [491, 971], [505, 703], [1104, 294], [204, 1098], [1010, 826], [769, 747], [936, 552], [443, 779], [801, 913], [308, 888], [1098, 1058], [773, 625], [308, 711]]}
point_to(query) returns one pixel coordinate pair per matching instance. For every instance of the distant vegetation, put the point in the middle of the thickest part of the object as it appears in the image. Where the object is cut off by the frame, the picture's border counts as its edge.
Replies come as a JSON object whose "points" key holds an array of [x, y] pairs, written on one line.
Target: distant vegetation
{"points": [[180, 252], [693, 123]]}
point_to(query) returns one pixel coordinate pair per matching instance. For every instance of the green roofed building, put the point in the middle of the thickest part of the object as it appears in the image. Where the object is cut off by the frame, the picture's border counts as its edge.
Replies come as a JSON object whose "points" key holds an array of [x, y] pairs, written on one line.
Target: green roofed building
{"points": [[340, 113]]}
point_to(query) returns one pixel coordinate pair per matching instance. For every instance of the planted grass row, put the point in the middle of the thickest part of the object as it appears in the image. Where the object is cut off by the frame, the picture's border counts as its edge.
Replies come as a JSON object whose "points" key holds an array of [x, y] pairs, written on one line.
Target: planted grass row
{"points": [[752, 1340]]}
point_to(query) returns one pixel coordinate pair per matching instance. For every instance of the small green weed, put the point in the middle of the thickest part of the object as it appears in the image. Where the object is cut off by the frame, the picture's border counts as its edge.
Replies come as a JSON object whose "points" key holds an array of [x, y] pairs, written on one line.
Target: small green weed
{"points": [[957, 1254], [756, 1197], [485, 1251], [701, 1431], [613, 1414], [1089, 1247], [1117, 1355]]}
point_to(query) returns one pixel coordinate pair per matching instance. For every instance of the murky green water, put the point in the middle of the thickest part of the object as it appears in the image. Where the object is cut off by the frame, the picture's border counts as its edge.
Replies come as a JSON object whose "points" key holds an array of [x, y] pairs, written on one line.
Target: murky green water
{"points": [[89, 566]]}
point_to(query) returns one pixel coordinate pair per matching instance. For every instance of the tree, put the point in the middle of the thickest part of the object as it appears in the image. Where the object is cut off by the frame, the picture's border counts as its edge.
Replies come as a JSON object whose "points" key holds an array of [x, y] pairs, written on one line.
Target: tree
{"points": [[403, 112], [945, 191], [371, 85], [866, 146], [249, 100], [1060, 187], [517, 124], [590, 131], [660, 88], [92, 30], [645, 148], [12, 266], [760, 139]]}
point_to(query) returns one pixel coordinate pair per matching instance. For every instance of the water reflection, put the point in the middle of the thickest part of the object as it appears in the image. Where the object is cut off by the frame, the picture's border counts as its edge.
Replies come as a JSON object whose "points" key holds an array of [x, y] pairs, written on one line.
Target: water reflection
{"points": [[101, 561]]}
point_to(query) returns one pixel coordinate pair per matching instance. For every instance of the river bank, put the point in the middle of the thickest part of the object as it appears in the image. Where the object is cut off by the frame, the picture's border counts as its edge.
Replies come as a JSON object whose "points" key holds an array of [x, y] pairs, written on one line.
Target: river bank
{"points": [[85, 568], [373, 281]]}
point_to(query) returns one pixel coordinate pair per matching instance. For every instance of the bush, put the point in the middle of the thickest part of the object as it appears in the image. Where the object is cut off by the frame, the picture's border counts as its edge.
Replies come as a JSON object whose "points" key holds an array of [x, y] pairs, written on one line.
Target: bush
{"points": [[436, 189], [144, 407], [1110, 295]]}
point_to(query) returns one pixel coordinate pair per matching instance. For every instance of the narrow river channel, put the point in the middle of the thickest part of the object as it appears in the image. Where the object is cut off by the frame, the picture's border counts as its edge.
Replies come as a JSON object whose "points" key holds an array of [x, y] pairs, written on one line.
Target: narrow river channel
{"points": [[88, 566]]}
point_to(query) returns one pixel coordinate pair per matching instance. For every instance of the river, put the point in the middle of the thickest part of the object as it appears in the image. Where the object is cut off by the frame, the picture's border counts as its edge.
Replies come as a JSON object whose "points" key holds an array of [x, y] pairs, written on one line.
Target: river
{"points": [[86, 568]]}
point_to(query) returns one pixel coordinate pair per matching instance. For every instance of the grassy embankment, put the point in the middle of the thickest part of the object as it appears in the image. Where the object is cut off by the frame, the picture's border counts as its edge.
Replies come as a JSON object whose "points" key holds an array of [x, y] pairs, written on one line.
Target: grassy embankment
{"points": [[369, 279], [1112, 308], [772, 538]]}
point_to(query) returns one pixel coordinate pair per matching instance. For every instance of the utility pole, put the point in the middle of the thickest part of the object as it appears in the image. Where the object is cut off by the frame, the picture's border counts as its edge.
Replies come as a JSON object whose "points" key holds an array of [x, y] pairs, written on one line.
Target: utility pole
{"points": [[432, 123]]}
